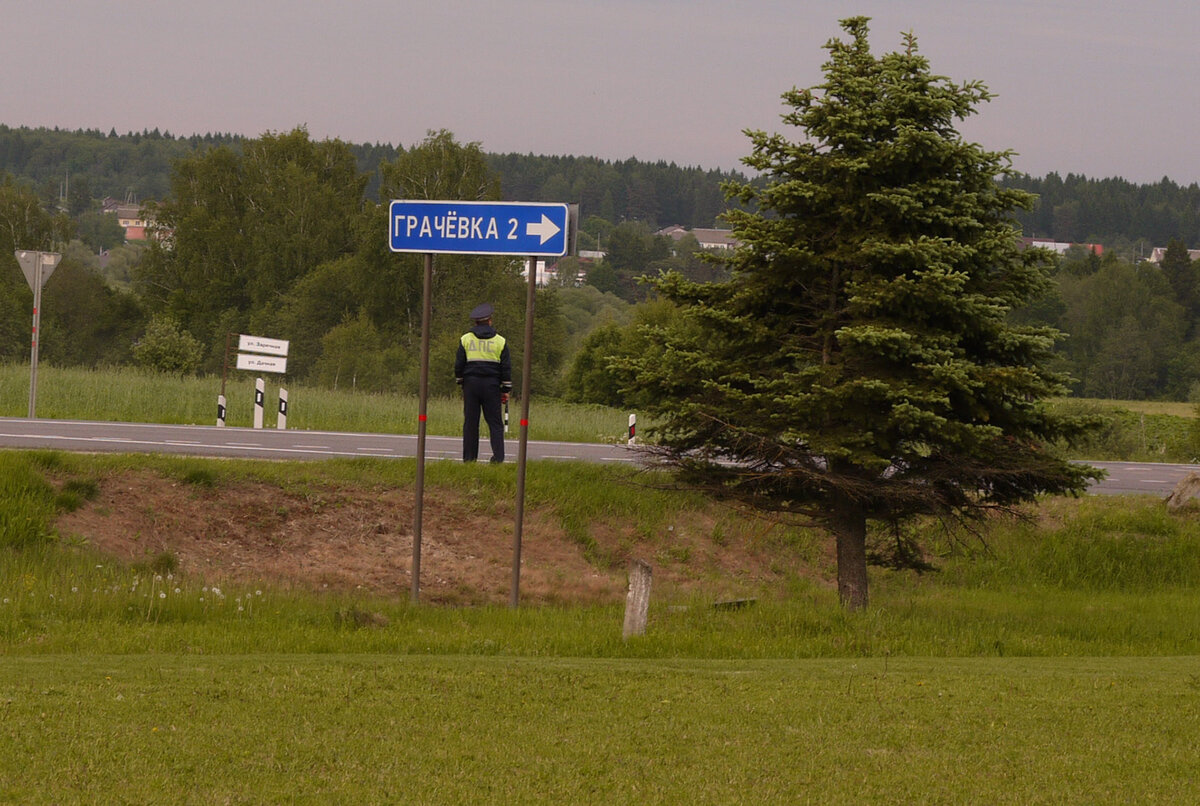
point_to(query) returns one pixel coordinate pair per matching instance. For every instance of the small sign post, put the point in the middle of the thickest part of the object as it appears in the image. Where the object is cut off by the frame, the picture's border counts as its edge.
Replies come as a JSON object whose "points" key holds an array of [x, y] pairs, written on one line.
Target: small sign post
{"points": [[37, 268], [256, 354]]}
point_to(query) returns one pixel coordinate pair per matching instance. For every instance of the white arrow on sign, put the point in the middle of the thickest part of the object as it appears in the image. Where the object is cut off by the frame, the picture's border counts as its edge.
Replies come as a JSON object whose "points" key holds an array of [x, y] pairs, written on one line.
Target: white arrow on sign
{"points": [[546, 229]]}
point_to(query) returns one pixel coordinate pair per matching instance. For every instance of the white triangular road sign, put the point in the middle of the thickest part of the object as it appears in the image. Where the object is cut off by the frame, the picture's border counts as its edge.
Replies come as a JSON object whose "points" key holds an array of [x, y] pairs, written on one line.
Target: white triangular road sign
{"points": [[28, 260]]}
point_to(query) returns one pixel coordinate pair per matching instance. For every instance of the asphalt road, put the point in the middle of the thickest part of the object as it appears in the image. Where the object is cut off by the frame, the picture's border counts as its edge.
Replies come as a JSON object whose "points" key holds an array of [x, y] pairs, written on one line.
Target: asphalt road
{"points": [[266, 443], [269, 443]]}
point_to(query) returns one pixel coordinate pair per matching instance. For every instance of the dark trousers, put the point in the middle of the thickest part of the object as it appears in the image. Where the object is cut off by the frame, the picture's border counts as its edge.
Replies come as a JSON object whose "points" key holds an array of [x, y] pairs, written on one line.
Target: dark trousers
{"points": [[482, 394]]}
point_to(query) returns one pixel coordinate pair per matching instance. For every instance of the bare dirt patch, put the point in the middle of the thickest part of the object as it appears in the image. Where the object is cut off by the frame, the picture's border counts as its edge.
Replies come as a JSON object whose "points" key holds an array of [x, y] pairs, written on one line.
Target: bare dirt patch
{"points": [[345, 538]]}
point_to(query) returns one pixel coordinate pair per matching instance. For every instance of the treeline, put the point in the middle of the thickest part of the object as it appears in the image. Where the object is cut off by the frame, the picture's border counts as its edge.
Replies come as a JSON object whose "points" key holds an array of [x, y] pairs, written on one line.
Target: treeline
{"points": [[1119, 214], [83, 165], [88, 164]]}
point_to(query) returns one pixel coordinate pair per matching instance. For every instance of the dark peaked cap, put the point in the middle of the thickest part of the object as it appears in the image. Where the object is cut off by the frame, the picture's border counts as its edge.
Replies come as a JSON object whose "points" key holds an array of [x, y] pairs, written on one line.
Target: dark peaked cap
{"points": [[483, 311]]}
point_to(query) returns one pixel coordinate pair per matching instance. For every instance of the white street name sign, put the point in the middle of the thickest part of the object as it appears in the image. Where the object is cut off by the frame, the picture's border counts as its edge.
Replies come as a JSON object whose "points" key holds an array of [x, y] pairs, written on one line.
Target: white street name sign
{"points": [[261, 363]]}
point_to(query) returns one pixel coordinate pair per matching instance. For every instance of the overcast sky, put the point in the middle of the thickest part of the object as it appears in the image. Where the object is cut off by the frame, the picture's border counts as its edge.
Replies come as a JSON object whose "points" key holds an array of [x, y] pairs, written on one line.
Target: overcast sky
{"points": [[1098, 87]]}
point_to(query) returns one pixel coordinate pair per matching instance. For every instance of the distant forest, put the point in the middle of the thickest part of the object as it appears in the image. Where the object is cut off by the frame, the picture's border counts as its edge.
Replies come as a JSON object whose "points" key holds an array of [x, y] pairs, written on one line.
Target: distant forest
{"points": [[1119, 214], [86, 165]]}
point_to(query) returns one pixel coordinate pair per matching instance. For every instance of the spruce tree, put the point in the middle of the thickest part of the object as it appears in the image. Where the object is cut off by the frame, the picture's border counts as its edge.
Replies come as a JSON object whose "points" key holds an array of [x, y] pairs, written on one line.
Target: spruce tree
{"points": [[859, 365]]}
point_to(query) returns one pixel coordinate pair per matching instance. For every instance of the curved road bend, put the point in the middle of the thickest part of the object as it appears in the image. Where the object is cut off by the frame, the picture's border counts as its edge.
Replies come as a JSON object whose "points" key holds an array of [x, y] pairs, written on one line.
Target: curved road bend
{"points": [[266, 443]]}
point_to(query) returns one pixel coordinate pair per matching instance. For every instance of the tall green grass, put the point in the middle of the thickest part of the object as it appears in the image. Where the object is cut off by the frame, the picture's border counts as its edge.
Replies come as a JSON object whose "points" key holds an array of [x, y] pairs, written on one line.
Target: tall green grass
{"points": [[26, 503], [1135, 431], [133, 395]]}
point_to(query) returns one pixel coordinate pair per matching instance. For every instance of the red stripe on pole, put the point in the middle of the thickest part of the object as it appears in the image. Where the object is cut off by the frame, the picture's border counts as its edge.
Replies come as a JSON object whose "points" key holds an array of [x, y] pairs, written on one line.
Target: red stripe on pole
{"points": [[421, 417], [524, 423]]}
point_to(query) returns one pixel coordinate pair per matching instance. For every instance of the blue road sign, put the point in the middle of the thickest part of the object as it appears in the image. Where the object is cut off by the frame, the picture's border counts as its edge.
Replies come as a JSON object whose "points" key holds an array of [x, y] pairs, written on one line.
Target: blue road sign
{"points": [[478, 228]]}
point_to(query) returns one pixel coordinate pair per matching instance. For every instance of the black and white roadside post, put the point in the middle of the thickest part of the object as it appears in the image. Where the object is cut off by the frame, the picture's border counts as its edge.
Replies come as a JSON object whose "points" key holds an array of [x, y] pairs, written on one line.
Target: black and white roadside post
{"points": [[260, 399], [478, 228], [37, 268], [221, 408]]}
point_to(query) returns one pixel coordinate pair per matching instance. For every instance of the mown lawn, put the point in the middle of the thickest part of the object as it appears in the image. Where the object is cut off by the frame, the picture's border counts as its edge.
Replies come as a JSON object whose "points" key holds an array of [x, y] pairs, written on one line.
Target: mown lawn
{"points": [[471, 729]]}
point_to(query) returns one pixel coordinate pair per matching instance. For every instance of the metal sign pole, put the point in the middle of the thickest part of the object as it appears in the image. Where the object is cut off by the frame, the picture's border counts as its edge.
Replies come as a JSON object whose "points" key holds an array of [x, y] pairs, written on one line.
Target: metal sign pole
{"points": [[464, 227], [37, 318], [418, 509], [526, 368]]}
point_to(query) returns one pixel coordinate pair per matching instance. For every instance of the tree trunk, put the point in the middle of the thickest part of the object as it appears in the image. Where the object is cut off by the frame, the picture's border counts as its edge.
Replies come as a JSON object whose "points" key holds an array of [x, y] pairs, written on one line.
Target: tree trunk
{"points": [[849, 527]]}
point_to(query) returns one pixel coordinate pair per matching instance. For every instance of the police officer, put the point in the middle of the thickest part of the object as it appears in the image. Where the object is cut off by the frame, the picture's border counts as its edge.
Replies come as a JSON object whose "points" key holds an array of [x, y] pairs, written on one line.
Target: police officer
{"points": [[484, 370]]}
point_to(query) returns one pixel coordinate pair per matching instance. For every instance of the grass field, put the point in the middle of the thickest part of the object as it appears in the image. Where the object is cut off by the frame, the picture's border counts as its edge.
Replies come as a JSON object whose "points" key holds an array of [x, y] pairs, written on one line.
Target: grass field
{"points": [[131, 395], [1171, 408], [1060, 662], [472, 729]]}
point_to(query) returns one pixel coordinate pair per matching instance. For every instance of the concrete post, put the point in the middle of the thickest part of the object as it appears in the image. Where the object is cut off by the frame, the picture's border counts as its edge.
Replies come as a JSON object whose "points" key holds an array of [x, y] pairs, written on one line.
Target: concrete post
{"points": [[637, 602]]}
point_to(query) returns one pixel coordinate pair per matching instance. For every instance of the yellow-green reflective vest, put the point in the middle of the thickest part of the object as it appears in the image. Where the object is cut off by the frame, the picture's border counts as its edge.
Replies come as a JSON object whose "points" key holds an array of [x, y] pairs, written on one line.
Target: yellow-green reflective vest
{"points": [[478, 349]]}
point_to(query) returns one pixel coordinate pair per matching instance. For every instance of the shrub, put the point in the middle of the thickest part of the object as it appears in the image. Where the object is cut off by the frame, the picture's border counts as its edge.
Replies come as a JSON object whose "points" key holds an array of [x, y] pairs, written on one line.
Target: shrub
{"points": [[165, 347]]}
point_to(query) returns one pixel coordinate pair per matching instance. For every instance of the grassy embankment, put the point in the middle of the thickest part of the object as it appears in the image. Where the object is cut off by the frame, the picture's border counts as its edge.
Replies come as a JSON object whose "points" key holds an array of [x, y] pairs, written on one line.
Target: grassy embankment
{"points": [[1056, 664]]}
